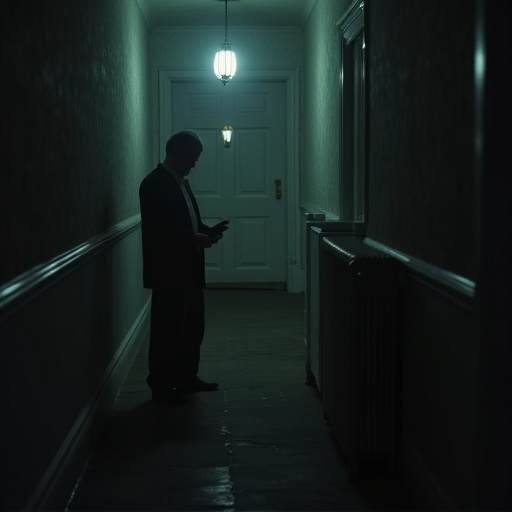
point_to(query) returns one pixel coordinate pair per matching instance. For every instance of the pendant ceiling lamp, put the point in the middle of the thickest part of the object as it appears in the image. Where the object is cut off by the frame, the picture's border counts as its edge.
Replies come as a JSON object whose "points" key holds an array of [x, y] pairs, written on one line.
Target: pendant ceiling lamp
{"points": [[225, 60]]}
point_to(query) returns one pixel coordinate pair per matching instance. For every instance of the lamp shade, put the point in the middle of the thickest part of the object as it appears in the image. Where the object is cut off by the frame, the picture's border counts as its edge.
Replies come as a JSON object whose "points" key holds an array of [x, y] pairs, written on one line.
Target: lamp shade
{"points": [[224, 64]]}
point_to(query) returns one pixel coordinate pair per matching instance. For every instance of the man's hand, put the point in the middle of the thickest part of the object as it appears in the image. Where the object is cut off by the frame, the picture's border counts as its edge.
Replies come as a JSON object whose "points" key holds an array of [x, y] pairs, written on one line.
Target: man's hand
{"points": [[203, 240], [216, 233], [218, 229]]}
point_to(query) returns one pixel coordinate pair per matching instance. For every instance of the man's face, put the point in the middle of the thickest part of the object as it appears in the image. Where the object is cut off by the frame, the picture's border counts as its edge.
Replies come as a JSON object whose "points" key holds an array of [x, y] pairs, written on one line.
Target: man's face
{"points": [[184, 162]]}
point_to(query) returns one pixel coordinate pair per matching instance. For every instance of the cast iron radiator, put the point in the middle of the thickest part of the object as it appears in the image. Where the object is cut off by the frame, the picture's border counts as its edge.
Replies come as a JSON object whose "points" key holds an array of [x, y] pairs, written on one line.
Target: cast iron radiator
{"points": [[360, 289]]}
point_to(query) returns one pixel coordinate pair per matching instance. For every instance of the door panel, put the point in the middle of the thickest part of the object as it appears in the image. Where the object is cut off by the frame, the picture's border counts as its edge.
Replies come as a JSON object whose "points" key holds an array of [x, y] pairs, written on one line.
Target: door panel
{"points": [[237, 183]]}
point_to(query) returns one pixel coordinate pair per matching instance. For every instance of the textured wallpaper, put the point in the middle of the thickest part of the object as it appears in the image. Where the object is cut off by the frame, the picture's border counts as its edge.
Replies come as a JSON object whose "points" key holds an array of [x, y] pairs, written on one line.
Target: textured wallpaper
{"points": [[76, 131], [320, 169], [420, 133]]}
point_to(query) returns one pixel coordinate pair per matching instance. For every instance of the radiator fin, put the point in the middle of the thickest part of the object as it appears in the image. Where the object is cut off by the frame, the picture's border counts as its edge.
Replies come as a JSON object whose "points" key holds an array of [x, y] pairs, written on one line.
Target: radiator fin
{"points": [[360, 350]]}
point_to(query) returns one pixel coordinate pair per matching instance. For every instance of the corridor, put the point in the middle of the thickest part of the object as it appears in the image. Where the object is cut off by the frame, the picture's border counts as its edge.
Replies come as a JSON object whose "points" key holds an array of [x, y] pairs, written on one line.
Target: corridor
{"points": [[260, 442]]}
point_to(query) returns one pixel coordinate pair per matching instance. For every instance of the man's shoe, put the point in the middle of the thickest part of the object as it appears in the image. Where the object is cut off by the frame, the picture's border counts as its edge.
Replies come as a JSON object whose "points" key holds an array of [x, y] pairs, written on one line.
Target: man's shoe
{"points": [[169, 397], [196, 384]]}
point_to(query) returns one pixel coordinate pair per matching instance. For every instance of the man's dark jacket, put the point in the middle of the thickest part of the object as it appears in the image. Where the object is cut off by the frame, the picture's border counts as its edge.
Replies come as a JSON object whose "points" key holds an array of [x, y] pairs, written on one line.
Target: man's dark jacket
{"points": [[171, 258]]}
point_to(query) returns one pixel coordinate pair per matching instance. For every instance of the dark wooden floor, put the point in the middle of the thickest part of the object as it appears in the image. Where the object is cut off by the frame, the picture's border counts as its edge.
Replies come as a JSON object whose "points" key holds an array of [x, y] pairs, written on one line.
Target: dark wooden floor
{"points": [[258, 443]]}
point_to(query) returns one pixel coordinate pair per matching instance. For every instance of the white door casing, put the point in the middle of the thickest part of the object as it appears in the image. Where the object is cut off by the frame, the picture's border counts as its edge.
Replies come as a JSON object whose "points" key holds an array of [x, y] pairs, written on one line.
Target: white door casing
{"points": [[247, 259]]}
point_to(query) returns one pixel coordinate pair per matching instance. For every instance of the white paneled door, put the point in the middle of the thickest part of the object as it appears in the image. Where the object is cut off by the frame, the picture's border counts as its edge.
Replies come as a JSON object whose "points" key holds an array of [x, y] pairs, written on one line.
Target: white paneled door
{"points": [[246, 182]]}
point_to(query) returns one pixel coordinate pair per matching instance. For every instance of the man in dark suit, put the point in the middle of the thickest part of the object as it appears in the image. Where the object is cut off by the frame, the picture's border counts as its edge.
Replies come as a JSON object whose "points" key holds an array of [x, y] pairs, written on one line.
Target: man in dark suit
{"points": [[173, 243]]}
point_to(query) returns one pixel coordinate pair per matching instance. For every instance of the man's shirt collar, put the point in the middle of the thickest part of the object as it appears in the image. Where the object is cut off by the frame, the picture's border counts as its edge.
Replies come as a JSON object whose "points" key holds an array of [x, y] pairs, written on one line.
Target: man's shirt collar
{"points": [[173, 172]]}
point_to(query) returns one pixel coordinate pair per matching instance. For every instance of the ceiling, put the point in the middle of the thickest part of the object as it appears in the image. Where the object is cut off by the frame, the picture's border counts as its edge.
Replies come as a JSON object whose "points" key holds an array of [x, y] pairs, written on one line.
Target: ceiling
{"points": [[241, 13]]}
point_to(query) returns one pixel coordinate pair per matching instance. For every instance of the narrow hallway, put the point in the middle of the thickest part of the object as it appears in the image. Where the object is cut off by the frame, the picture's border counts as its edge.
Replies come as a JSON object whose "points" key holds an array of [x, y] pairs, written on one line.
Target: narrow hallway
{"points": [[258, 443]]}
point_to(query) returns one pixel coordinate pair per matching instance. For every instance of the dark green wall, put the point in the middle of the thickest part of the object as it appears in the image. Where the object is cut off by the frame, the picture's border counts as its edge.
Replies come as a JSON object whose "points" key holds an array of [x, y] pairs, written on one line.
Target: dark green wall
{"points": [[75, 124], [421, 129]]}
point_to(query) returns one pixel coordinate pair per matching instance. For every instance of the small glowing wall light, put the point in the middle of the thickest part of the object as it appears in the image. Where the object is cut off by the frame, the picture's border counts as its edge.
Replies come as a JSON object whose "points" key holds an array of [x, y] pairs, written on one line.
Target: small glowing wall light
{"points": [[227, 134], [224, 64]]}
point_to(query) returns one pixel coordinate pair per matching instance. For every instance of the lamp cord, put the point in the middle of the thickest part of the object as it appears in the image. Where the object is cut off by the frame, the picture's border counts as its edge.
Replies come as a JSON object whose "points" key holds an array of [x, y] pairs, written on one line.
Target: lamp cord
{"points": [[226, 20]]}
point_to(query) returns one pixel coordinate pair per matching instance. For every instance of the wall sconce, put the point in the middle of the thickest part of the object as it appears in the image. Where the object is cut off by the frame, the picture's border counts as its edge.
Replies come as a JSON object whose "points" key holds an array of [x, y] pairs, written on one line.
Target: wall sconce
{"points": [[227, 133]]}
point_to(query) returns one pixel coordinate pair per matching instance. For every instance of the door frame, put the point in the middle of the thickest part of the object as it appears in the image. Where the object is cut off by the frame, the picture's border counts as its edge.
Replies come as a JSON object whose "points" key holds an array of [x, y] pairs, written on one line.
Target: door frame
{"points": [[166, 77]]}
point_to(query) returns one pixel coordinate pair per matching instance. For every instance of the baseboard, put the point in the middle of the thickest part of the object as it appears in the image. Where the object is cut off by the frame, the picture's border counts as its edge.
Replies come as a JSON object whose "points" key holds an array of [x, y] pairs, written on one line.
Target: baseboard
{"points": [[246, 286], [422, 484], [56, 485]]}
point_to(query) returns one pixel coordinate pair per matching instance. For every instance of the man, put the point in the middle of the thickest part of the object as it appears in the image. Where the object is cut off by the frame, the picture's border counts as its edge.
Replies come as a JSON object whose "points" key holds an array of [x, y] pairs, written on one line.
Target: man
{"points": [[173, 243]]}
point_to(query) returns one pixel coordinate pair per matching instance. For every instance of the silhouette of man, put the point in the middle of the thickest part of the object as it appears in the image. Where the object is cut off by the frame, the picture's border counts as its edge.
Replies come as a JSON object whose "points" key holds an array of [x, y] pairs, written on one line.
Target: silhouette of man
{"points": [[173, 243]]}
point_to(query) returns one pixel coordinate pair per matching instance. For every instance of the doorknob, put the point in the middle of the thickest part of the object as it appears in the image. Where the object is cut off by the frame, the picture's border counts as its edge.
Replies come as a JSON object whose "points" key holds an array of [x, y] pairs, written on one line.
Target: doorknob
{"points": [[277, 183]]}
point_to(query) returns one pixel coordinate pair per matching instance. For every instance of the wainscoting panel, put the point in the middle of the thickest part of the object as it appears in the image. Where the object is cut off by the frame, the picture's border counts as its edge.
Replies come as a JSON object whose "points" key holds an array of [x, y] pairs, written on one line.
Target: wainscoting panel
{"points": [[440, 393], [69, 331]]}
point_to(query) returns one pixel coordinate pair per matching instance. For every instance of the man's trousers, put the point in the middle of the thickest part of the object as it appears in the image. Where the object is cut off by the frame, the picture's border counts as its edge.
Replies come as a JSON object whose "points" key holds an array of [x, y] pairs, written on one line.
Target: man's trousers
{"points": [[177, 331]]}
